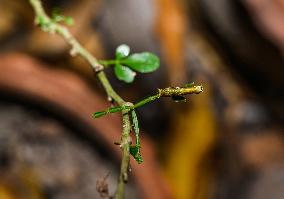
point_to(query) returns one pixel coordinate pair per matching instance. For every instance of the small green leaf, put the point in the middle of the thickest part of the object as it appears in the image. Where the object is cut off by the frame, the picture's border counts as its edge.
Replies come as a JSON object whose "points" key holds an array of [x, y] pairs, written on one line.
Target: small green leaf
{"points": [[40, 20], [135, 127], [69, 21], [124, 73], [122, 51], [135, 152], [114, 109], [144, 62], [58, 18], [189, 85], [99, 114]]}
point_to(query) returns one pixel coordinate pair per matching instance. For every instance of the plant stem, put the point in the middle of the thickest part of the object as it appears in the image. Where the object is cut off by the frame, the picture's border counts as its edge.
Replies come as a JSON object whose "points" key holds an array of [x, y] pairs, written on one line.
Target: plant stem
{"points": [[109, 62], [147, 100], [106, 63], [48, 25], [52, 27], [166, 92], [125, 145], [126, 107], [108, 88]]}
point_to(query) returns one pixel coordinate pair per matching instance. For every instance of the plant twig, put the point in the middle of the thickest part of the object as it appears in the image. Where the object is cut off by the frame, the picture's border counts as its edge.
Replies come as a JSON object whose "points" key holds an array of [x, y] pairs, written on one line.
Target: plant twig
{"points": [[48, 25], [166, 92], [125, 145], [150, 62]]}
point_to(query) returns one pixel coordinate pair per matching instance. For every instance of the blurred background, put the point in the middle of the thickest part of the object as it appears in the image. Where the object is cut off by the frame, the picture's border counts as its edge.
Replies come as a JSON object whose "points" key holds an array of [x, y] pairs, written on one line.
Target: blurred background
{"points": [[226, 143]]}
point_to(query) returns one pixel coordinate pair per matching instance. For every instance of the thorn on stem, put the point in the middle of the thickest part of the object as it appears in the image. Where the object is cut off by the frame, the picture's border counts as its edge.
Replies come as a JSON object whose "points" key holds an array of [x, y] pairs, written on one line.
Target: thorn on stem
{"points": [[125, 177], [117, 143], [73, 52], [110, 99], [129, 168]]}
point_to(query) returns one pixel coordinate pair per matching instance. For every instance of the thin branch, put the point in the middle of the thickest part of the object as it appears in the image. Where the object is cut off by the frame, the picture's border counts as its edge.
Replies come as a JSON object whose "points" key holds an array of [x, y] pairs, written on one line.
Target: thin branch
{"points": [[125, 145], [48, 25], [108, 88], [166, 92]]}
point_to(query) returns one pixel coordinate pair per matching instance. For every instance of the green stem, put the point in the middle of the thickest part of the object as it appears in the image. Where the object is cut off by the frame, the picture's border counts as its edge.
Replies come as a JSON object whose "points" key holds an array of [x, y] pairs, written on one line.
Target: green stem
{"points": [[166, 92], [126, 107], [147, 100], [125, 145], [51, 26], [135, 150], [109, 62], [108, 88], [136, 127], [106, 63]]}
